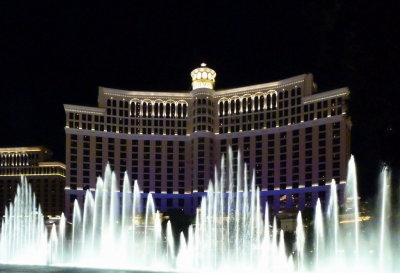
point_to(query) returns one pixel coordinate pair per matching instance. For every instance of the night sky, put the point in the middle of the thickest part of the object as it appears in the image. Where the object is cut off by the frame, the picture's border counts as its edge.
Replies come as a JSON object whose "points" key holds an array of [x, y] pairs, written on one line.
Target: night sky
{"points": [[54, 53]]}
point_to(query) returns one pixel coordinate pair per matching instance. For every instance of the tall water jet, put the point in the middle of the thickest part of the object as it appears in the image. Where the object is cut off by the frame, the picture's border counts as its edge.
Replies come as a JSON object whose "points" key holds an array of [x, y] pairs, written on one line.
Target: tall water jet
{"points": [[318, 234], [61, 239], [170, 244], [351, 195], [333, 218], [76, 231], [230, 233], [126, 206], [385, 211], [53, 245], [149, 216], [97, 216], [300, 241], [23, 238], [87, 224]]}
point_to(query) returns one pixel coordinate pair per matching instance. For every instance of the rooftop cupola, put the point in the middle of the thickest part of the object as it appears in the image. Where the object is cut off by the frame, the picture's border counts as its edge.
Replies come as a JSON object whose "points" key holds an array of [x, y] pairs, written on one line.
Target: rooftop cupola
{"points": [[203, 77]]}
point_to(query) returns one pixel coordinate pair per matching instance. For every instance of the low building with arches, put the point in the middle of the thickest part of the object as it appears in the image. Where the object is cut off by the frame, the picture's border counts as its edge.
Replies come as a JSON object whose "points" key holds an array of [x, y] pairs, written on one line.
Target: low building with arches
{"points": [[47, 178], [294, 138]]}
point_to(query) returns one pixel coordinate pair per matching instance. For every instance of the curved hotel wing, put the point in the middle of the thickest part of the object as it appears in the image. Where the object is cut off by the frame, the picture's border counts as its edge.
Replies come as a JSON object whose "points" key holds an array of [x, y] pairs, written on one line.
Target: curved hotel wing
{"points": [[295, 139]]}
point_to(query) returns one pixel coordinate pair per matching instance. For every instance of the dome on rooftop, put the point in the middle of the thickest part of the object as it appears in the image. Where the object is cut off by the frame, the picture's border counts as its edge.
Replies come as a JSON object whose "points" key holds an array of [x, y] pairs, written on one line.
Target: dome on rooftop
{"points": [[203, 77]]}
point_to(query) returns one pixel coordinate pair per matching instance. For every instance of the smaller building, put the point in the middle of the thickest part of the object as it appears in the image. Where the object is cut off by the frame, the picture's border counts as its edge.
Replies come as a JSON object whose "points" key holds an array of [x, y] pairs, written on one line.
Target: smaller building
{"points": [[47, 178]]}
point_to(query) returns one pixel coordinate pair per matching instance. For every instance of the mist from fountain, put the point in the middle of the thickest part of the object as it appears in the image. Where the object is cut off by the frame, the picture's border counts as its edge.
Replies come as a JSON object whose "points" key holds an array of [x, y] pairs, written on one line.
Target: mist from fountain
{"points": [[232, 232]]}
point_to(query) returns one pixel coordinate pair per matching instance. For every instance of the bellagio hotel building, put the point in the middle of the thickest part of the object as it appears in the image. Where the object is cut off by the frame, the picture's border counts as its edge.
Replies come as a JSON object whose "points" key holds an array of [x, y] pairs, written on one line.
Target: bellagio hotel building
{"points": [[294, 138]]}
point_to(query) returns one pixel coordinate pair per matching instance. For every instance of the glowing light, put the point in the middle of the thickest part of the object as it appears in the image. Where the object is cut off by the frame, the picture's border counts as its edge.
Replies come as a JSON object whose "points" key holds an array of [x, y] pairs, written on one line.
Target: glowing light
{"points": [[360, 219], [203, 77]]}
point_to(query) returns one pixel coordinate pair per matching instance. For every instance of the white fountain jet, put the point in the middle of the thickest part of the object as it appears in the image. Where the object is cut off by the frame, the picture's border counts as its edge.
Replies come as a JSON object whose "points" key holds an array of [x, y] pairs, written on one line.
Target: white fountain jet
{"points": [[230, 233], [23, 238]]}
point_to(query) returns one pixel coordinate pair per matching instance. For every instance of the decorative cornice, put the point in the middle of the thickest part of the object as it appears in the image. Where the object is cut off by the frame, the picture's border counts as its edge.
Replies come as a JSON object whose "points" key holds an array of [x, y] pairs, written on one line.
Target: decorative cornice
{"points": [[22, 149], [186, 95], [32, 174], [144, 94], [84, 109], [124, 135], [262, 87], [340, 92], [285, 128], [196, 134], [52, 164]]}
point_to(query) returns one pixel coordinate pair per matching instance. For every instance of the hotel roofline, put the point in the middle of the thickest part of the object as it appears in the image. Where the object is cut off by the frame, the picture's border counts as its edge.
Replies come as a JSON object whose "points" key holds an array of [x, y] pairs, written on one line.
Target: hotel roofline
{"points": [[84, 109], [22, 149], [344, 91], [218, 94], [185, 93]]}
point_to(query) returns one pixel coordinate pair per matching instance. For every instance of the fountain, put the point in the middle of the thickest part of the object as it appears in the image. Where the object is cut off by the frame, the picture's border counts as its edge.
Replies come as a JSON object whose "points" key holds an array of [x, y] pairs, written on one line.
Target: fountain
{"points": [[231, 233]]}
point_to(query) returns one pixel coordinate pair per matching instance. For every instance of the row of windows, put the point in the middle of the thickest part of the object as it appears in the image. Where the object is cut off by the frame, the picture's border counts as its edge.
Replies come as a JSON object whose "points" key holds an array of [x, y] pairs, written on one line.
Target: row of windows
{"points": [[258, 151], [17, 159], [32, 171], [257, 102], [148, 167], [227, 123], [255, 121], [145, 108], [271, 156], [203, 115], [247, 105]]}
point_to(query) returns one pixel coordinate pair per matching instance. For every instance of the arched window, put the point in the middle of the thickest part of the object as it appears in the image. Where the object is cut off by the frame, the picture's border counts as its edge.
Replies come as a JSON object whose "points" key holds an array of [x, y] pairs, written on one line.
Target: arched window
{"points": [[269, 101], [244, 104], [168, 110], [262, 102], [172, 110], [221, 108], [161, 109], [249, 105], [237, 107], [226, 108], [179, 110], [232, 107], [184, 110], [144, 112], [256, 103], [273, 101], [132, 109], [156, 105], [150, 110], [204, 102]]}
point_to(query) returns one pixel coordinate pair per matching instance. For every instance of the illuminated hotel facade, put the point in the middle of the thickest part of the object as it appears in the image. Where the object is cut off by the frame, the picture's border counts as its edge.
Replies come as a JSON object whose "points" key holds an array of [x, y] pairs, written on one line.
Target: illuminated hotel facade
{"points": [[295, 139], [47, 178]]}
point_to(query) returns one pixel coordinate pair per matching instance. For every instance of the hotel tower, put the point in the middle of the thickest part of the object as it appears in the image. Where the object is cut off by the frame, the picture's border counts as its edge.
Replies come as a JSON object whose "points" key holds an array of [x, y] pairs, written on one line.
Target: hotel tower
{"points": [[294, 139]]}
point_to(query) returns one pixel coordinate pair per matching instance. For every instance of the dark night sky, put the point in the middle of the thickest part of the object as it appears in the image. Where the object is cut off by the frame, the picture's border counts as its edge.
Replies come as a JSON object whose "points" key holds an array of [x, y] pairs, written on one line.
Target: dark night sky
{"points": [[54, 53]]}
